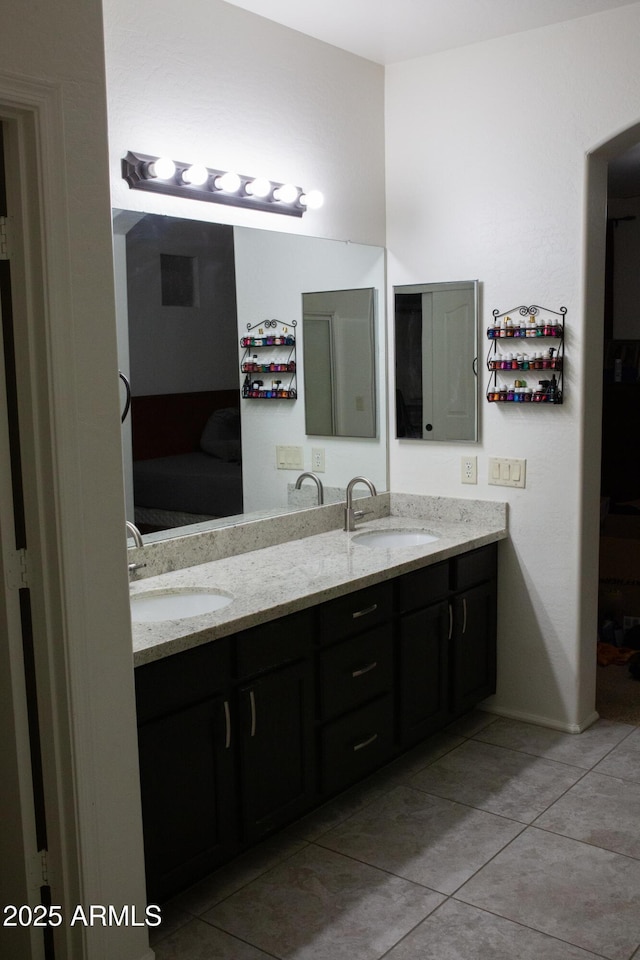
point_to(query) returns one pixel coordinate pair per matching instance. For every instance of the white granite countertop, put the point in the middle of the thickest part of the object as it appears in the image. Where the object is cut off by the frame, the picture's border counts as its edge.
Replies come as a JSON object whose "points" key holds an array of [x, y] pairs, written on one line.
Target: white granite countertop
{"points": [[277, 580]]}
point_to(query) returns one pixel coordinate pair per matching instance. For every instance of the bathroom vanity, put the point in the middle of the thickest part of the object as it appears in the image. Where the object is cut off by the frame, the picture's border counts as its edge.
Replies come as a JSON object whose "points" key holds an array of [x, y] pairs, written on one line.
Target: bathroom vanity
{"points": [[244, 728]]}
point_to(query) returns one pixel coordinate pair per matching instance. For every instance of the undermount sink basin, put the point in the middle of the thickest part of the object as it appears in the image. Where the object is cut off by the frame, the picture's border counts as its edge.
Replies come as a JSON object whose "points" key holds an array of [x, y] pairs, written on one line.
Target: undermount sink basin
{"points": [[176, 604], [394, 538]]}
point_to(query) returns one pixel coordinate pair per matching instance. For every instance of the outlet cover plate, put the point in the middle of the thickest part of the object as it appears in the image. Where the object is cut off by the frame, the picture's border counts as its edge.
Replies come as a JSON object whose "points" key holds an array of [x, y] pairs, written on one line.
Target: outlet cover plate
{"points": [[317, 459], [469, 469]]}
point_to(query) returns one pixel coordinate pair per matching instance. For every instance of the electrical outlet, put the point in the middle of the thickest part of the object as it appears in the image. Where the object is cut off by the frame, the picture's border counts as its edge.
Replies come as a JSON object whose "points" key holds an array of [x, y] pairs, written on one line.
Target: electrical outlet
{"points": [[317, 459], [469, 468]]}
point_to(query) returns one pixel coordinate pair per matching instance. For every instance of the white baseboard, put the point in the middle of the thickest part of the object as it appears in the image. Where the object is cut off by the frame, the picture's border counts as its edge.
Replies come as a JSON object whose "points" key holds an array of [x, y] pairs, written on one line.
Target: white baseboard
{"points": [[542, 721]]}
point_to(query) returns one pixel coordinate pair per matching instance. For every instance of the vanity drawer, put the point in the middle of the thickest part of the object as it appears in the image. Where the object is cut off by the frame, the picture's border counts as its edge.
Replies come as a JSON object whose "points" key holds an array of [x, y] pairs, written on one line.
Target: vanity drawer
{"points": [[273, 644], [355, 671], [355, 612], [182, 679], [356, 745], [422, 588], [475, 567]]}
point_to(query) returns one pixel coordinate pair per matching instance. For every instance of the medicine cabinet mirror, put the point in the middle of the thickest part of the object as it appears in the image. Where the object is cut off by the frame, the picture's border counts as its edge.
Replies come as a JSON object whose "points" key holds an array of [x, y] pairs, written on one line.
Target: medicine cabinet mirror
{"points": [[339, 363], [186, 292], [436, 347]]}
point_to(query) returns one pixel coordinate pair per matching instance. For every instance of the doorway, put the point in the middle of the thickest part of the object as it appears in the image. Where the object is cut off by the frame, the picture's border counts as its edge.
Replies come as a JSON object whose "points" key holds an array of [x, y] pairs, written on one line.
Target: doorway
{"points": [[617, 690]]}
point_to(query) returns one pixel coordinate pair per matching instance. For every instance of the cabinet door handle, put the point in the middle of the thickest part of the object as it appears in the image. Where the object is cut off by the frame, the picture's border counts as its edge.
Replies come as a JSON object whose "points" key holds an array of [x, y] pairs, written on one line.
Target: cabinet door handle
{"points": [[227, 725], [361, 672], [365, 743], [464, 614], [363, 613], [450, 621], [252, 701]]}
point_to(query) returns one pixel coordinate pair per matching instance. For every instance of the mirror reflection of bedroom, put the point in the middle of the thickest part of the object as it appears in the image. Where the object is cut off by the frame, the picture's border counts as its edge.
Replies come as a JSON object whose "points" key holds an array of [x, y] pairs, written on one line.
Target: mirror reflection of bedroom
{"points": [[185, 398]]}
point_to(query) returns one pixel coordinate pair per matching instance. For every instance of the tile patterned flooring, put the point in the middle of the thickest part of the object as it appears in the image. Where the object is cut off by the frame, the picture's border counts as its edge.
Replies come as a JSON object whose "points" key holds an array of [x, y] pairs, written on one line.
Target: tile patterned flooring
{"points": [[494, 840]]}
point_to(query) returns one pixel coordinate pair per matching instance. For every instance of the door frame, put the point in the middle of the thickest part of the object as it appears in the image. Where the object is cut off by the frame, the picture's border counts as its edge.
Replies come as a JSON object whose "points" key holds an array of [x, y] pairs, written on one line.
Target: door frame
{"points": [[83, 669]]}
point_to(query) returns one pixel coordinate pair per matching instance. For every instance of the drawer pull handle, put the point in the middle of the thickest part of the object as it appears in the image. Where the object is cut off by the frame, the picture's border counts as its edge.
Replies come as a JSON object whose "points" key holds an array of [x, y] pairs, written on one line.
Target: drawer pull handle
{"points": [[252, 701], [227, 725], [464, 617], [365, 743], [361, 672], [450, 621], [363, 613]]}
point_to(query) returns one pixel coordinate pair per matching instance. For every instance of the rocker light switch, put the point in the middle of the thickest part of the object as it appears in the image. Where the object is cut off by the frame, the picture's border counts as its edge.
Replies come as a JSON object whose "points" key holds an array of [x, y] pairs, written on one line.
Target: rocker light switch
{"points": [[507, 473]]}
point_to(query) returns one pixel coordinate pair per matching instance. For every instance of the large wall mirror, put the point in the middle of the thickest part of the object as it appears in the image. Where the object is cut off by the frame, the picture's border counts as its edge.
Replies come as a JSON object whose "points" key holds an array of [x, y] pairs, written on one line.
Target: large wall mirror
{"points": [[436, 347], [195, 452]]}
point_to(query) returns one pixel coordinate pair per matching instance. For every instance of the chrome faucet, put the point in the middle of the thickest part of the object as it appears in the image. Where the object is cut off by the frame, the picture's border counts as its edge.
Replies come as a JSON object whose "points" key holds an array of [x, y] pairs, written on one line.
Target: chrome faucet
{"points": [[137, 539], [135, 533], [318, 483], [351, 515]]}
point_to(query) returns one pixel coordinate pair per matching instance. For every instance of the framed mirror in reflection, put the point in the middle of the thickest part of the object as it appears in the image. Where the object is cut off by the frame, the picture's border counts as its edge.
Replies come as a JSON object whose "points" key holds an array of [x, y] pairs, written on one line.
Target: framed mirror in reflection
{"points": [[436, 348], [195, 452], [339, 363]]}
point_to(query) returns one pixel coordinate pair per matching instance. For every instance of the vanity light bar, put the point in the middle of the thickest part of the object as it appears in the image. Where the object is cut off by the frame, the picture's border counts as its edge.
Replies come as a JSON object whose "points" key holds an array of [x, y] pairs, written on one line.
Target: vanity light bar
{"points": [[197, 182]]}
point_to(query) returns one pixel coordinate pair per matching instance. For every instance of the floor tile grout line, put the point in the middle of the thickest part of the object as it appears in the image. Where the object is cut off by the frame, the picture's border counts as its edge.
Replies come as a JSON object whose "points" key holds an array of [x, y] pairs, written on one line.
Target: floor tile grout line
{"points": [[249, 943], [469, 806], [586, 843], [413, 928], [245, 883], [526, 926], [541, 756]]}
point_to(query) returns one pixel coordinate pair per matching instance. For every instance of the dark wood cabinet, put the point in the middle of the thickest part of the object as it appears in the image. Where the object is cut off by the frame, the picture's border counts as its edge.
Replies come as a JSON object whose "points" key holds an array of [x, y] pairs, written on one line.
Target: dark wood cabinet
{"points": [[356, 681], [187, 771], [276, 749], [356, 744], [189, 800], [473, 635], [423, 662], [241, 736], [473, 647]]}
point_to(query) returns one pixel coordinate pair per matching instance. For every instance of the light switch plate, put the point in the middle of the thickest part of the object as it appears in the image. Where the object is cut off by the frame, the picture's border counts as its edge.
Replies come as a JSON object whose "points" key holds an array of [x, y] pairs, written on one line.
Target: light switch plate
{"points": [[289, 458], [504, 472]]}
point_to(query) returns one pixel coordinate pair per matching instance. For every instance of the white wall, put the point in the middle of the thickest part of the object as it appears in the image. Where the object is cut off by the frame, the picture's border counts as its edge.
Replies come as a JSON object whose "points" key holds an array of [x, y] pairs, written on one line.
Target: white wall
{"points": [[203, 80], [486, 162]]}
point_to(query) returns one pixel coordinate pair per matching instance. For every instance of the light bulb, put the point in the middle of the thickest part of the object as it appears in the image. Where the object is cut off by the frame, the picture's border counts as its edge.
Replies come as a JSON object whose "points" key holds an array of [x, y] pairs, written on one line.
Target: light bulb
{"points": [[260, 187], [229, 182], [163, 168], [312, 200], [287, 193], [196, 175]]}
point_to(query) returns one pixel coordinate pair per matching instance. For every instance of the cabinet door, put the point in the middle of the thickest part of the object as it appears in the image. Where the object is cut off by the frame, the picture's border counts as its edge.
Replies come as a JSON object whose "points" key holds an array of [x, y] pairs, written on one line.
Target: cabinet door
{"points": [[424, 670], [188, 799], [277, 748], [473, 647]]}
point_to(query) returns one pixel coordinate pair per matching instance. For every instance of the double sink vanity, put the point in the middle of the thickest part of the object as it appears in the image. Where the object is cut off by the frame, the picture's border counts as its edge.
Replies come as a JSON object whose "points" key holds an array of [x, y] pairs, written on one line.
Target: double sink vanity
{"points": [[279, 661]]}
